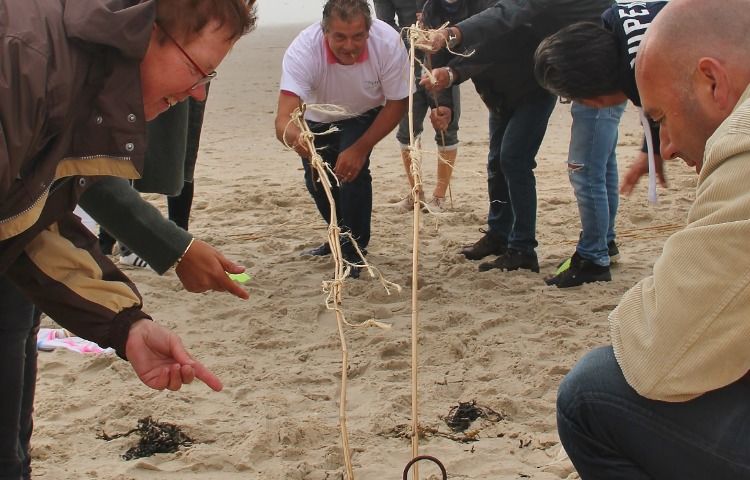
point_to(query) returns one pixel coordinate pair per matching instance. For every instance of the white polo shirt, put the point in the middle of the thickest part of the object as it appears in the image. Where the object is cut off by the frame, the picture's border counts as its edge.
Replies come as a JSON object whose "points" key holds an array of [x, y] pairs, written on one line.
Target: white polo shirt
{"points": [[310, 71]]}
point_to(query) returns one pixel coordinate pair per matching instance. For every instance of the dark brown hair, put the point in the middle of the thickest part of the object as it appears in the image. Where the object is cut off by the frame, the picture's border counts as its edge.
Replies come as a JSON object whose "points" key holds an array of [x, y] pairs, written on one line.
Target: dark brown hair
{"points": [[347, 11], [578, 62]]}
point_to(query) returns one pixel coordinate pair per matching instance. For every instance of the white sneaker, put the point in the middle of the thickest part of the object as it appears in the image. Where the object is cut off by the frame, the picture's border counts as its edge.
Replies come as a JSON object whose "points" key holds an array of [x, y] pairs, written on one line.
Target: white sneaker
{"points": [[406, 204], [437, 205], [132, 259]]}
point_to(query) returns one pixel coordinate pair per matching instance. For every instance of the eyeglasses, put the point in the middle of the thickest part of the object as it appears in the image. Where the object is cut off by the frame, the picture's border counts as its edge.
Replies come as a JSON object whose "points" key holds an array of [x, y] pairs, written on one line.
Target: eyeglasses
{"points": [[206, 77]]}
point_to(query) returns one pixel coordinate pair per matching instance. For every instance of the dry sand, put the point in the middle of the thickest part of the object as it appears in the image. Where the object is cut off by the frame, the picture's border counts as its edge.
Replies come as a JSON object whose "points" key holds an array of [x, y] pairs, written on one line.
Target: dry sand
{"points": [[502, 339]]}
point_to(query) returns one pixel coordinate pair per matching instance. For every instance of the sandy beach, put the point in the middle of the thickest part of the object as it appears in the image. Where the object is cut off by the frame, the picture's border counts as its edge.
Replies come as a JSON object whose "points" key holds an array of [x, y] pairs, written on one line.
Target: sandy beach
{"points": [[504, 340]]}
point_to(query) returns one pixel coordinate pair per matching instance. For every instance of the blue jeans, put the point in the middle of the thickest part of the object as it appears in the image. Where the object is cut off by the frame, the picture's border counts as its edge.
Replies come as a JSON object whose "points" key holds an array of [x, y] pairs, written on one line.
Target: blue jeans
{"points": [[611, 432], [419, 111], [515, 138], [592, 168], [353, 199], [19, 324]]}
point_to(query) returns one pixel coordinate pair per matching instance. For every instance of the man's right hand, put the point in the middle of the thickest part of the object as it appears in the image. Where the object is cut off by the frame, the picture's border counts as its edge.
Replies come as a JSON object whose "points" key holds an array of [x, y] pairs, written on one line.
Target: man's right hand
{"points": [[638, 169]]}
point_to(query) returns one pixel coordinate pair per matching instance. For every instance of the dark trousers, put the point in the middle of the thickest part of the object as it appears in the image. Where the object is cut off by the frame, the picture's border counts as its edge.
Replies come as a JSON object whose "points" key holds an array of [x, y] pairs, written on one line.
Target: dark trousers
{"points": [[353, 199], [515, 138], [180, 205], [611, 432], [19, 324]]}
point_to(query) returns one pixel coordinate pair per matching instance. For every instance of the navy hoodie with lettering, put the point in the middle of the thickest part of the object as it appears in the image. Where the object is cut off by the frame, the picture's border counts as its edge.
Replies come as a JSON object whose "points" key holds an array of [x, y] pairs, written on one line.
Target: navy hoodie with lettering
{"points": [[629, 21]]}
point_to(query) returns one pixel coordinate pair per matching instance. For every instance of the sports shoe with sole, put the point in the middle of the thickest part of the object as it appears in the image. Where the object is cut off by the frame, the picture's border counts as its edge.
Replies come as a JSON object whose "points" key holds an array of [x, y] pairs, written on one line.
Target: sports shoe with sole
{"points": [[436, 205], [407, 203], [578, 271], [488, 245], [321, 250], [128, 257], [512, 260]]}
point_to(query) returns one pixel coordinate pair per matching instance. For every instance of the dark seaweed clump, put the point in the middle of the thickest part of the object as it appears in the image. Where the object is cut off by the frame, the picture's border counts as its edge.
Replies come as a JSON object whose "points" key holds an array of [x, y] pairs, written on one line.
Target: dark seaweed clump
{"points": [[155, 437]]}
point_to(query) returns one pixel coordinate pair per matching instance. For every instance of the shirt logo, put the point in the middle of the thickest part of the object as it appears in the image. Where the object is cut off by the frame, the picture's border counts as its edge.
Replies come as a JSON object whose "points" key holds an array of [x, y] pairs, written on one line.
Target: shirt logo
{"points": [[371, 84]]}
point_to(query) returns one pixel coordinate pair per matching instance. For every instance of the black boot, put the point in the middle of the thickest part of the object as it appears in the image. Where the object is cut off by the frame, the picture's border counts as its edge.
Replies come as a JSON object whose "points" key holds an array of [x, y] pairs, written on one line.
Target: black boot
{"points": [[513, 260], [489, 244]]}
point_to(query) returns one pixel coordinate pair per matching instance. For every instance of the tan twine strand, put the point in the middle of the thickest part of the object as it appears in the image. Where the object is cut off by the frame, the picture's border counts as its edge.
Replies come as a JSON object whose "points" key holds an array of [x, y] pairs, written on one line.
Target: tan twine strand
{"points": [[342, 268], [415, 36], [653, 232], [418, 37]]}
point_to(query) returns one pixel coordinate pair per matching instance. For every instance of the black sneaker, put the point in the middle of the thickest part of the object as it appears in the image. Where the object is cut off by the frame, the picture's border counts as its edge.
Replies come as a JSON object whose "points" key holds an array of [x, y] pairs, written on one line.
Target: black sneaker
{"points": [[577, 272], [319, 251], [614, 252], [512, 260], [489, 244]]}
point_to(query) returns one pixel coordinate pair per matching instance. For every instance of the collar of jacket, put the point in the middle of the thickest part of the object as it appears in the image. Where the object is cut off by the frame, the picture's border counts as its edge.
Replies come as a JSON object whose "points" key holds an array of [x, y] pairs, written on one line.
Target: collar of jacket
{"points": [[124, 25]]}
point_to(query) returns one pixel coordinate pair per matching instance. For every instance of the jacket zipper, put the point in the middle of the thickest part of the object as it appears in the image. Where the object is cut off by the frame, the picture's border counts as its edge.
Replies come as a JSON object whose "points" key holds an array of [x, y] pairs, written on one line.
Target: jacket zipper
{"points": [[50, 191]]}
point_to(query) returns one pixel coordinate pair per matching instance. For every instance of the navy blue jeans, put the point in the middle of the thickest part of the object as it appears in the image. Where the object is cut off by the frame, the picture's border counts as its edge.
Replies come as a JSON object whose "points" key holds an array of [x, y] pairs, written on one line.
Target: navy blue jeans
{"points": [[353, 199], [610, 432], [19, 325], [515, 138]]}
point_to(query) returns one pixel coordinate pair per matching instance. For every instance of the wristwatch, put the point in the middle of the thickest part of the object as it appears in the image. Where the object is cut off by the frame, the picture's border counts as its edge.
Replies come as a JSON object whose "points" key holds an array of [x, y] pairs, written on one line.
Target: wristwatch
{"points": [[452, 38]]}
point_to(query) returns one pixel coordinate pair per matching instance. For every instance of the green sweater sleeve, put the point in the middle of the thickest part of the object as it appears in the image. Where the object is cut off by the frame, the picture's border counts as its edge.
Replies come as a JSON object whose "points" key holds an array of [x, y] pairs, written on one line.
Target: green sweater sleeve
{"points": [[121, 210]]}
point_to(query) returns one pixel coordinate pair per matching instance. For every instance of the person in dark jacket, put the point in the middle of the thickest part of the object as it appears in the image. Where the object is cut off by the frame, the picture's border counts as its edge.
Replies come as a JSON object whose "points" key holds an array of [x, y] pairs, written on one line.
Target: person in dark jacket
{"points": [[396, 13], [594, 63], [503, 39], [78, 81]]}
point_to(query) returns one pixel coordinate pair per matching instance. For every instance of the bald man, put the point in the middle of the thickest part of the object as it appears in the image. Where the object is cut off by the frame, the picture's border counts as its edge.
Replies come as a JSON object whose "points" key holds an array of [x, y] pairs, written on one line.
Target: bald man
{"points": [[670, 399]]}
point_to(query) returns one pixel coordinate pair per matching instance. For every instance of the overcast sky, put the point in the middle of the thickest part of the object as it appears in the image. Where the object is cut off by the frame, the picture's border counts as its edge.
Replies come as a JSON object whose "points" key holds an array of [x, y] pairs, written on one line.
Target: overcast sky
{"points": [[278, 12]]}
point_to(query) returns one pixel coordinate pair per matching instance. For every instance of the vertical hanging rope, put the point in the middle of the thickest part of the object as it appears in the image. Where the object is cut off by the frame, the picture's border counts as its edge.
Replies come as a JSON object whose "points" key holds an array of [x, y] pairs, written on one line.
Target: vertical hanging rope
{"points": [[340, 272], [416, 172], [334, 288]]}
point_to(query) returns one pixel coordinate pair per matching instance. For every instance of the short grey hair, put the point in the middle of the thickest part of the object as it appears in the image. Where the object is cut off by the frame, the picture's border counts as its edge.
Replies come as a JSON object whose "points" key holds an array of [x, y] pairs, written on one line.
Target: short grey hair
{"points": [[347, 11]]}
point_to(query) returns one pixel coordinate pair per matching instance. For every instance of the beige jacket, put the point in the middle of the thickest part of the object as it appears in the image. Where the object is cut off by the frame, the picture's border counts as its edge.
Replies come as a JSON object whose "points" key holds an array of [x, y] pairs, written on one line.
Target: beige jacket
{"points": [[685, 330]]}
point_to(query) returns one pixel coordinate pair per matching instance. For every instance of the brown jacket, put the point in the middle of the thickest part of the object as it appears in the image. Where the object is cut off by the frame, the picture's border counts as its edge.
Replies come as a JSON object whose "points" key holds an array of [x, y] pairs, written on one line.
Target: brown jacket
{"points": [[70, 110]]}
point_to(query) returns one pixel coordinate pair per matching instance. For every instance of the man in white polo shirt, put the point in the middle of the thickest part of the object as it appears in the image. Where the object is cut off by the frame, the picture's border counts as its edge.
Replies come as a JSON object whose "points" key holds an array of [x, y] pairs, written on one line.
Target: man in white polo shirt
{"points": [[360, 65]]}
